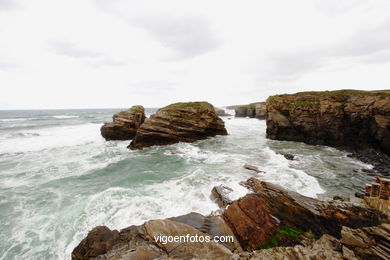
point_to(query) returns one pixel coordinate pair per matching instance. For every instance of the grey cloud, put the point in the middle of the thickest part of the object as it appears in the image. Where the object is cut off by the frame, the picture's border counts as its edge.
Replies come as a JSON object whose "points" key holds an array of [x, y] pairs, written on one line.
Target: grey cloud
{"points": [[366, 46], [187, 36], [4, 65], [72, 50], [9, 4]]}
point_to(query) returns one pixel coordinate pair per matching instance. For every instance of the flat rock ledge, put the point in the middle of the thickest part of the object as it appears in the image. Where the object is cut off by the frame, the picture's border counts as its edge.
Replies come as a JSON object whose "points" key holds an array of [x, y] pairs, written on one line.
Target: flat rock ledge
{"points": [[124, 125], [269, 223], [179, 122]]}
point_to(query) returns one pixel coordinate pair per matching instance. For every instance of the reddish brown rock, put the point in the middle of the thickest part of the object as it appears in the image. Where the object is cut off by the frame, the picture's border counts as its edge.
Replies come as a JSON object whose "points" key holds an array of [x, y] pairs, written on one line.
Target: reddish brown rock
{"points": [[179, 122], [251, 222], [308, 214], [125, 124]]}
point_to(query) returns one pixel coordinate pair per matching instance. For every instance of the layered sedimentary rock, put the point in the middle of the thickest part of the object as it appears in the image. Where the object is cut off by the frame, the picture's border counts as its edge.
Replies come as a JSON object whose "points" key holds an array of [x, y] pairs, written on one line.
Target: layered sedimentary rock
{"points": [[283, 223], [346, 118], [254, 110], [124, 125], [179, 122]]}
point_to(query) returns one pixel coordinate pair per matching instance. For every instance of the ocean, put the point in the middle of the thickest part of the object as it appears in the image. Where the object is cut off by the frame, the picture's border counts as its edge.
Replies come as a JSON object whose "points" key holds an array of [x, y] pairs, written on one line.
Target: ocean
{"points": [[59, 178]]}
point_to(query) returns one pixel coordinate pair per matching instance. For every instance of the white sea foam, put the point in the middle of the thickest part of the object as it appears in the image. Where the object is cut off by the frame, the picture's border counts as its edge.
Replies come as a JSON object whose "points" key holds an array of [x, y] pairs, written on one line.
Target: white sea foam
{"points": [[65, 116], [62, 181], [48, 138]]}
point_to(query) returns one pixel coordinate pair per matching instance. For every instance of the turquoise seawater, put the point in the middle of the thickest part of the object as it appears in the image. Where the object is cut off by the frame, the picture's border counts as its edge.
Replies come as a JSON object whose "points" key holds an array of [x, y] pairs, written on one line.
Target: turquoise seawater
{"points": [[59, 178]]}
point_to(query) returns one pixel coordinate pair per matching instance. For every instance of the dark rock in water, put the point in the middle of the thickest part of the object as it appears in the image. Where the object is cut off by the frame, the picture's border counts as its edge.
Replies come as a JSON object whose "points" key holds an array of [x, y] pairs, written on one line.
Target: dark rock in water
{"points": [[288, 156], [179, 122], [124, 125], [254, 110], [99, 241], [221, 112], [379, 160], [346, 118], [359, 195], [220, 194], [253, 168], [342, 198]]}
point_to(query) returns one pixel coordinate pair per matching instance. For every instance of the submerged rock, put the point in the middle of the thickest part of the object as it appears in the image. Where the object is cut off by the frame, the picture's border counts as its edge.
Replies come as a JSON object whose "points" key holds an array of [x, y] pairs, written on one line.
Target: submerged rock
{"points": [[346, 118], [124, 125], [179, 122], [253, 168]]}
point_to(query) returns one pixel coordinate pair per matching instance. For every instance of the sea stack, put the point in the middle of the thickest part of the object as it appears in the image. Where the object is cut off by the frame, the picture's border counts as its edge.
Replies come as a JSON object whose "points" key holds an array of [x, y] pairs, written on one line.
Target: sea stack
{"points": [[179, 122], [351, 119], [253, 110], [124, 125]]}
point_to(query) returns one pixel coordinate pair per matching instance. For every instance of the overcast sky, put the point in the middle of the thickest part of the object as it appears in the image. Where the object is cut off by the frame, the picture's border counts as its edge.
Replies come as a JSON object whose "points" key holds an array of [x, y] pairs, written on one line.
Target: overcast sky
{"points": [[117, 53]]}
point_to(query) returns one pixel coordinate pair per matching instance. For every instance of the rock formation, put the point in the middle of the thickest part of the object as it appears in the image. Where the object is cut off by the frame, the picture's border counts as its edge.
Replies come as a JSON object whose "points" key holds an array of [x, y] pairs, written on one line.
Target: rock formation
{"points": [[283, 223], [124, 125], [345, 118], [179, 122], [255, 110], [221, 112]]}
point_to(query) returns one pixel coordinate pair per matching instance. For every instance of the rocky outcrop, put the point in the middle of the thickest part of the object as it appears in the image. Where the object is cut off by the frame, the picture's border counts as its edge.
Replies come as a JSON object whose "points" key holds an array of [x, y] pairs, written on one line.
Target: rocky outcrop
{"points": [[179, 122], [283, 223], [308, 214], [124, 125], [345, 118], [255, 110], [221, 112], [369, 242]]}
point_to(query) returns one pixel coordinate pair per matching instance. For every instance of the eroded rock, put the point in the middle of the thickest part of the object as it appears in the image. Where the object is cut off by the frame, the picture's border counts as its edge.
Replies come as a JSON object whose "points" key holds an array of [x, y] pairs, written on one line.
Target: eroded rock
{"points": [[124, 125], [179, 122], [345, 118]]}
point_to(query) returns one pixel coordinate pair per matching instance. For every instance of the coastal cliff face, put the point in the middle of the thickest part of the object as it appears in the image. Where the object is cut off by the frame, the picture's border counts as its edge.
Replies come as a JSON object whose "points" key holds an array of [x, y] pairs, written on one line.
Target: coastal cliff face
{"points": [[254, 110], [179, 122], [124, 125], [283, 223], [345, 118]]}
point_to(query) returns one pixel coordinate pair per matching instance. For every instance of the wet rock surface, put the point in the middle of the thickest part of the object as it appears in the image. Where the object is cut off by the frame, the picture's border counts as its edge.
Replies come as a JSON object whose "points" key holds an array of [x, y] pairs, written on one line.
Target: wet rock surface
{"points": [[179, 122], [125, 124]]}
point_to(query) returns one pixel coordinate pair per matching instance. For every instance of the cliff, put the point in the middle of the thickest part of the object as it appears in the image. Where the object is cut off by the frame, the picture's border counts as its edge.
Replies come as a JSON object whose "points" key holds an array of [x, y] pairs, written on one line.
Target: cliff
{"points": [[254, 110], [350, 119]]}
